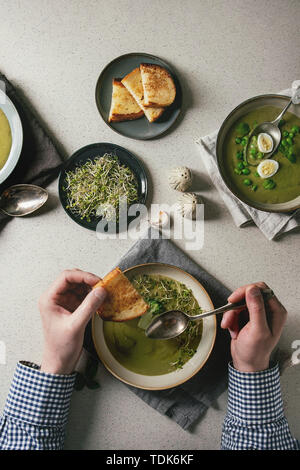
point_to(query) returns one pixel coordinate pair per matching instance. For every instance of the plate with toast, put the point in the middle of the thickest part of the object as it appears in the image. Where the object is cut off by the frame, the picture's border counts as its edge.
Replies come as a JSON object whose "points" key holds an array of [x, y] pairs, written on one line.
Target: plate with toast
{"points": [[139, 96]]}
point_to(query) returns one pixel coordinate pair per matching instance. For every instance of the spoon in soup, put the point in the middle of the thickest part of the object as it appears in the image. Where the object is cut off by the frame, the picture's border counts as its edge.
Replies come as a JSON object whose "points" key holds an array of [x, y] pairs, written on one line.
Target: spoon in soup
{"points": [[174, 322], [22, 199], [270, 132]]}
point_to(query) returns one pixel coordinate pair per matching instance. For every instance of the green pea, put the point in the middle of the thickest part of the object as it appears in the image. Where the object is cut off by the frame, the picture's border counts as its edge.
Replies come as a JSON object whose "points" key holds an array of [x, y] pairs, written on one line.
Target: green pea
{"points": [[253, 152], [257, 174], [238, 172], [260, 155], [237, 140], [284, 143], [296, 129], [254, 187], [281, 148], [292, 158], [285, 134], [247, 182], [269, 184], [239, 155], [289, 141], [291, 135], [291, 150], [240, 165], [246, 171]]}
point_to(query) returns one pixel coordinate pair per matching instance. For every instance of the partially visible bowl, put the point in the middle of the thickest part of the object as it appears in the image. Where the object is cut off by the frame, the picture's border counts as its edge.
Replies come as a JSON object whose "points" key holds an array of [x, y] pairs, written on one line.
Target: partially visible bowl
{"points": [[247, 106], [15, 124], [192, 366]]}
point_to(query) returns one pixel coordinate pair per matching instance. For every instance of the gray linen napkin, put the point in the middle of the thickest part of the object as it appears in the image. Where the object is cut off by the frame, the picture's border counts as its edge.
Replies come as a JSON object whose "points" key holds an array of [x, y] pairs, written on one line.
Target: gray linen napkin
{"points": [[39, 161], [186, 403], [271, 224]]}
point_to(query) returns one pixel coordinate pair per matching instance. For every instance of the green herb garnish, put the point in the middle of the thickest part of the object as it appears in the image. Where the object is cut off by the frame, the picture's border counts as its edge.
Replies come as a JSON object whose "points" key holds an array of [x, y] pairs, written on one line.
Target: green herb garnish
{"points": [[98, 187]]}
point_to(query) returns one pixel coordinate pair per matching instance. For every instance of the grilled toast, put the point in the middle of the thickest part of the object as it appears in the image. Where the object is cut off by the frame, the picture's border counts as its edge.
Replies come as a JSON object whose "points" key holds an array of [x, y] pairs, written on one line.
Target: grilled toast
{"points": [[158, 85], [123, 302], [123, 105], [133, 83]]}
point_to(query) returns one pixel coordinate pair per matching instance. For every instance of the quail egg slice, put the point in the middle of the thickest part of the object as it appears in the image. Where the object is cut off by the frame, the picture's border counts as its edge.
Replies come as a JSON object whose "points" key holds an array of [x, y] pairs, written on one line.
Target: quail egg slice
{"points": [[265, 143], [267, 168]]}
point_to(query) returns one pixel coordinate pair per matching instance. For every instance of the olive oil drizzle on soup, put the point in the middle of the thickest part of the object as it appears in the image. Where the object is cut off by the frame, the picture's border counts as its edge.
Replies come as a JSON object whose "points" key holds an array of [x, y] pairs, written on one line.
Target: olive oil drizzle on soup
{"points": [[5, 139], [282, 186]]}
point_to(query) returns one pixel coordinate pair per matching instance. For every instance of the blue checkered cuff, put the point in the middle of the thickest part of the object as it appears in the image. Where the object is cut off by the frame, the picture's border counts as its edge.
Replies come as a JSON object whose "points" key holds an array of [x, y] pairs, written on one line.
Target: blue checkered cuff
{"points": [[255, 397], [39, 398]]}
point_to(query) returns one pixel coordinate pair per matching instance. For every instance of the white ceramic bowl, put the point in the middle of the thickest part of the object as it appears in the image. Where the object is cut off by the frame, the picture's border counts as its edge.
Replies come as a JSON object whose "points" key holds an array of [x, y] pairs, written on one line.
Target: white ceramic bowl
{"points": [[190, 368], [17, 135]]}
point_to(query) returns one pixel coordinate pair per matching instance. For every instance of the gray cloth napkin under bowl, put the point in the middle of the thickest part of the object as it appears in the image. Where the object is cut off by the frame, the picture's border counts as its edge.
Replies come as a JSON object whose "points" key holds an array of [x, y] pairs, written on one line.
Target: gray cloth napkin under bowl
{"points": [[271, 224], [186, 403], [40, 161]]}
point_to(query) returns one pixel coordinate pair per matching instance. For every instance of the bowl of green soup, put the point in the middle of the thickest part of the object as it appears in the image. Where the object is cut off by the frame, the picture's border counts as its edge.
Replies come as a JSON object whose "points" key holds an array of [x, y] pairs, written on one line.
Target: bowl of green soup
{"points": [[152, 364], [248, 178], [11, 136]]}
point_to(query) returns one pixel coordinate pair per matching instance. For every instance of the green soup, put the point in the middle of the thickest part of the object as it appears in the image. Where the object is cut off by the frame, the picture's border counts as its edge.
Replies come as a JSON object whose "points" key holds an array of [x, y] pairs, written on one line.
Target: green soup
{"points": [[5, 139], [285, 184], [131, 347]]}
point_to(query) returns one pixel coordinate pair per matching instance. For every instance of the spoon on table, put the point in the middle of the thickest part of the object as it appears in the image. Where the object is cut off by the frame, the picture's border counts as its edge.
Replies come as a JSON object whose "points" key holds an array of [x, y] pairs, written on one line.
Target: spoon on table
{"points": [[172, 323], [22, 199], [271, 128]]}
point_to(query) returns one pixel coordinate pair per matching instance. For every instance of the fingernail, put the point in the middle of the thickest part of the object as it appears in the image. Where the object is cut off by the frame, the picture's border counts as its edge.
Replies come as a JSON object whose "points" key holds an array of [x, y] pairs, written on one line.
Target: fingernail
{"points": [[100, 293], [254, 292]]}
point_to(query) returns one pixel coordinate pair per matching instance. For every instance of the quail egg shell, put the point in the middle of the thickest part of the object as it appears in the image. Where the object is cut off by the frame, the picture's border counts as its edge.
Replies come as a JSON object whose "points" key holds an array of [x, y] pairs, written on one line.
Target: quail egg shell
{"points": [[267, 168]]}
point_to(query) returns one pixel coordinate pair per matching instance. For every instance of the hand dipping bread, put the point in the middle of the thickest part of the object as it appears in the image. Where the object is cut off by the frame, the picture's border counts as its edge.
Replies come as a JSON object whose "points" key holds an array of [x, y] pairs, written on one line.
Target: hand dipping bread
{"points": [[123, 302]]}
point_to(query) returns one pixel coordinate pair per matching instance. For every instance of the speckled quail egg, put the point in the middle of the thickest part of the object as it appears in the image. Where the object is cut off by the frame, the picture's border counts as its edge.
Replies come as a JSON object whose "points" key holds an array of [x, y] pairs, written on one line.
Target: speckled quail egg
{"points": [[180, 178], [187, 204]]}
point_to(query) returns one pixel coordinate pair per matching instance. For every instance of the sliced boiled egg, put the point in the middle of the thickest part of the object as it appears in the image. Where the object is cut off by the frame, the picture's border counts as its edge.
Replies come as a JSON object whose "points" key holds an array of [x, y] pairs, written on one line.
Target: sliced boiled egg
{"points": [[267, 168], [264, 143]]}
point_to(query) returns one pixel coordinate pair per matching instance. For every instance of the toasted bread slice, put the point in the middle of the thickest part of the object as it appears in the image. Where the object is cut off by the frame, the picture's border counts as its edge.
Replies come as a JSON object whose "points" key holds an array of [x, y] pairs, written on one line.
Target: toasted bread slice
{"points": [[159, 87], [133, 83], [123, 302], [123, 105]]}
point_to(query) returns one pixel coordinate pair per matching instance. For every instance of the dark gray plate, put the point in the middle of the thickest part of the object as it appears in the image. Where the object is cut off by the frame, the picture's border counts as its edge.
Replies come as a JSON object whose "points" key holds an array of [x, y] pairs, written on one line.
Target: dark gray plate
{"points": [[140, 129], [90, 152]]}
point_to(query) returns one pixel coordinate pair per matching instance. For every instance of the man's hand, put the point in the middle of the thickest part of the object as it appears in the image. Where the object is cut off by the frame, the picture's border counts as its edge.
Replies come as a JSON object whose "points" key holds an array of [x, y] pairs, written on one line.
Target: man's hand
{"points": [[252, 345], [66, 307]]}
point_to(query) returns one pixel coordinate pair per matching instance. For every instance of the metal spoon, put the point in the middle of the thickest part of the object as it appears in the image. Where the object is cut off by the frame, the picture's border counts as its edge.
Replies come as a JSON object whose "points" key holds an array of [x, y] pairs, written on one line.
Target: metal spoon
{"points": [[272, 128], [22, 199], [172, 323]]}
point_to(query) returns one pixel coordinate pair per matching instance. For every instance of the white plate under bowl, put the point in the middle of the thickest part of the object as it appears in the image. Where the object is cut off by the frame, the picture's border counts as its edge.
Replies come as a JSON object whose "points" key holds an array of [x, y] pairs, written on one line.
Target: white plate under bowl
{"points": [[15, 124], [190, 368]]}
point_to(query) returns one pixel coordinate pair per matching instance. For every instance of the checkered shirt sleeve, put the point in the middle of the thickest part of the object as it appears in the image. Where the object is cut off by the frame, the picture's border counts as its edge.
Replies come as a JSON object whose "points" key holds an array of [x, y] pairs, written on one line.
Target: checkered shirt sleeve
{"points": [[36, 409], [255, 417]]}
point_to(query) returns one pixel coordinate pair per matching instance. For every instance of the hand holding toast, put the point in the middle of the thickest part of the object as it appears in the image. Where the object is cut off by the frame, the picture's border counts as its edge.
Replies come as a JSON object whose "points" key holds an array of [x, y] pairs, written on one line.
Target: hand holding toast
{"points": [[66, 307]]}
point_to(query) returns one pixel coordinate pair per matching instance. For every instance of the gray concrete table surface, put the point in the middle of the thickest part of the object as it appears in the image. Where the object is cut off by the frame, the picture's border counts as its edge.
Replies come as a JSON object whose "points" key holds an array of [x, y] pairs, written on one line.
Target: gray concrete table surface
{"points": [[224, 52]]}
